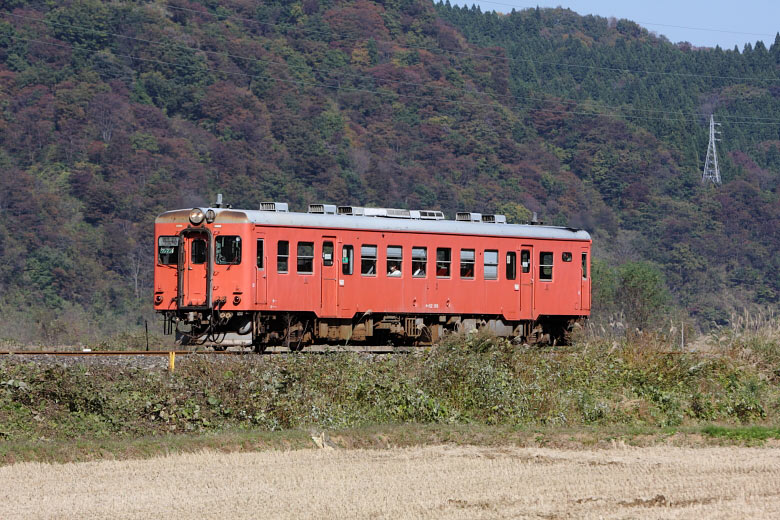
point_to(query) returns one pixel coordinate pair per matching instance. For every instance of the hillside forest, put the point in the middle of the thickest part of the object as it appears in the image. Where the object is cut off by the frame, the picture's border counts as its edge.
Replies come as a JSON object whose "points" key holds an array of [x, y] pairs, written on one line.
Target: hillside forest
{"points": [[113, 112]]}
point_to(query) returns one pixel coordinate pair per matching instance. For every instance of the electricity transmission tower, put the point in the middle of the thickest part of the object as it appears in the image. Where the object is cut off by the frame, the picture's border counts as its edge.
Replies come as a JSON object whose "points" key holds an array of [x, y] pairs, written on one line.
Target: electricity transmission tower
{"points": [[711, 169]]}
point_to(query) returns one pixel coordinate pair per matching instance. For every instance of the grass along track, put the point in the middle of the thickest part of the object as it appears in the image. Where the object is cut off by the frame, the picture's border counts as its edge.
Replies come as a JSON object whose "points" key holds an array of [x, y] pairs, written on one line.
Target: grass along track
{"points": [[418, 482], [472, 380], [380, 437]]}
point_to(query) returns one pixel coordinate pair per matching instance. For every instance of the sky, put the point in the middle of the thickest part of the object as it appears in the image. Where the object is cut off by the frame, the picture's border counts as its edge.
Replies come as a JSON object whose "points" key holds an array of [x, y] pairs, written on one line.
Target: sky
{"points": [[705, 24]]}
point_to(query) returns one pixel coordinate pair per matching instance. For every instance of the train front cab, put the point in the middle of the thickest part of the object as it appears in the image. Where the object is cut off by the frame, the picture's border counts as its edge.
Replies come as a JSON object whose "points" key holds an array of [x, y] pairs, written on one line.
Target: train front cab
{"points": [[200, 277]]}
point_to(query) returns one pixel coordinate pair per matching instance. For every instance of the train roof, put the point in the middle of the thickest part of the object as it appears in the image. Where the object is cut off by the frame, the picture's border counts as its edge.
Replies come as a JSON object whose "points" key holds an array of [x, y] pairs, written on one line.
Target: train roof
{"points": [[378, 223]]}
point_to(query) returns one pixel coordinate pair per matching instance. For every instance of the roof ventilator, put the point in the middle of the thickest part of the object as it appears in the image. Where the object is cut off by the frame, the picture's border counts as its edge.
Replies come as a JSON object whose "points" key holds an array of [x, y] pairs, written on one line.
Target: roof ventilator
{"points": [[350, 210], [395, 213], [465, 216], [279, 207], [494, 219], [377, 212], [427, 214], [322, 209]]}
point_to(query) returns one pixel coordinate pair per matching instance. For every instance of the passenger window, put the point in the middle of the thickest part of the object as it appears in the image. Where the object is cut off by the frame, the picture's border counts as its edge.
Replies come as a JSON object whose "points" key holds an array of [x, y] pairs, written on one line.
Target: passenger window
{"points": [[491, 264], [168, 250], [347, 253], [443, 260], [305, 258], [395, 256], [198, 251], [368, 260], [327, 254], [467, 263], [566, 257], [545, 265], [419, 261], [227, 250], [282, 256], [511, 265], [525, 260], [584, 266], [260, 253]]}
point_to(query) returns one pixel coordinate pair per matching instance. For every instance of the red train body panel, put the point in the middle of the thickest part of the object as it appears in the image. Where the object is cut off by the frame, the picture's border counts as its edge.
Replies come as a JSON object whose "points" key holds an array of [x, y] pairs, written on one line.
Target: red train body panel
{"points": [[332, 271]]}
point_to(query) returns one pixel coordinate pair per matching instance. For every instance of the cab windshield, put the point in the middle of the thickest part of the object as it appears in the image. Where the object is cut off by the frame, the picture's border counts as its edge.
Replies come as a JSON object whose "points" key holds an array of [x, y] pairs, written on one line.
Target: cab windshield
{"points": [[168, 250]]}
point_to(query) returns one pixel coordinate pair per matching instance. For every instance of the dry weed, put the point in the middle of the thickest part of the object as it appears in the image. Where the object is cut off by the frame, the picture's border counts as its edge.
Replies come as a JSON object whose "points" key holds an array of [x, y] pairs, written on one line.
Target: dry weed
{"points": [[431, 482]]}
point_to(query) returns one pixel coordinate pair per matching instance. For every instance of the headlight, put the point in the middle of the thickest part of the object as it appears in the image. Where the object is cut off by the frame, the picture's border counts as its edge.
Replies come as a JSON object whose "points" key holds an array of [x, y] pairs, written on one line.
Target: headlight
{"points": [[197, 216], [210, 216]]}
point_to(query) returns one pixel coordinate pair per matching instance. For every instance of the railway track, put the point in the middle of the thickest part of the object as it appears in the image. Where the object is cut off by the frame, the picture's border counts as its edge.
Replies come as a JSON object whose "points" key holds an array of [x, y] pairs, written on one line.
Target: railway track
{"points": [[314, 349], [369, 349], [74, 353]]}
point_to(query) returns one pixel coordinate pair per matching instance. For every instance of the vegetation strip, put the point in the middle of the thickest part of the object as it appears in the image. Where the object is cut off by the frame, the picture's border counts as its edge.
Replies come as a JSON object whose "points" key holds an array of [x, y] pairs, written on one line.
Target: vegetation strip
{"points": [[473, 380]]}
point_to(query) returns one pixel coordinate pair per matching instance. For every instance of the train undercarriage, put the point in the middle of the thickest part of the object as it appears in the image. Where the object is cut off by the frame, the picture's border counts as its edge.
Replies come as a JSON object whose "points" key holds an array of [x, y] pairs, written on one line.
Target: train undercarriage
{"points": [[296, 330]]}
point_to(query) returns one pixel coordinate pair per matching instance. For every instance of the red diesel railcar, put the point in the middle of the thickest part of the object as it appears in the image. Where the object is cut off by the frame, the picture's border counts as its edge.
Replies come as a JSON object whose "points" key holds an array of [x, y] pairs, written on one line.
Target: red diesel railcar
{"points": [[228, 276]]}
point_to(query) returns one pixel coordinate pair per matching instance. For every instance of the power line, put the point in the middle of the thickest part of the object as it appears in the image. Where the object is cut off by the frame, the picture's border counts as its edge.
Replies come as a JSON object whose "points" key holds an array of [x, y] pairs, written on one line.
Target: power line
{"points": [[472, 54], [511, 97], [378, 92]]}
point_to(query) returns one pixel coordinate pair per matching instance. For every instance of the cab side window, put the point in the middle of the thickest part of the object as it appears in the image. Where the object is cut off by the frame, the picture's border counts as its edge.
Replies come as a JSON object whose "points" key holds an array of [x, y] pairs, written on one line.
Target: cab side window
{"points": [[227, 250]]}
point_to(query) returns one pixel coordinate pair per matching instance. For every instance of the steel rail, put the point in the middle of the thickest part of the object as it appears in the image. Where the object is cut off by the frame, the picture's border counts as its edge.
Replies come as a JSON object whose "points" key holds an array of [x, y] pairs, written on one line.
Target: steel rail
{"points": [[110, 352], [314, 349], [370, 349]]}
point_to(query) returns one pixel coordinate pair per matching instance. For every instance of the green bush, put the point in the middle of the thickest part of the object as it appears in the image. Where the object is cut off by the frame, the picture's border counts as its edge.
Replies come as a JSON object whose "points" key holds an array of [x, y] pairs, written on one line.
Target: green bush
{"points": [[470, 379]]}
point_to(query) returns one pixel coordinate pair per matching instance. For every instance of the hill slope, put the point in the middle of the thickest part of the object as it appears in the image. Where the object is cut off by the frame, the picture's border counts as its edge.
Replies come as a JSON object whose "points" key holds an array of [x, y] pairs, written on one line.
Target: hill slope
{"points": [[112, 113]]}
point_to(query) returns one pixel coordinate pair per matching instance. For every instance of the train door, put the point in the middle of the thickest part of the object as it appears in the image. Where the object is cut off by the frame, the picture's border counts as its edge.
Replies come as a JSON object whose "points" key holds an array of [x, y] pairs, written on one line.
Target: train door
{"points": [[585, 283], [329, 278], [420, 275], [346, 279], [261, 271], [194, 269], [526, 255]]}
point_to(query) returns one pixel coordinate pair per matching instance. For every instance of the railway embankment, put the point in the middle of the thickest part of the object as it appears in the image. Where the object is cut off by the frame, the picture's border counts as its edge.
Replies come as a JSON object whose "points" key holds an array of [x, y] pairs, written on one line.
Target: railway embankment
{"points": [[471, 383]]}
